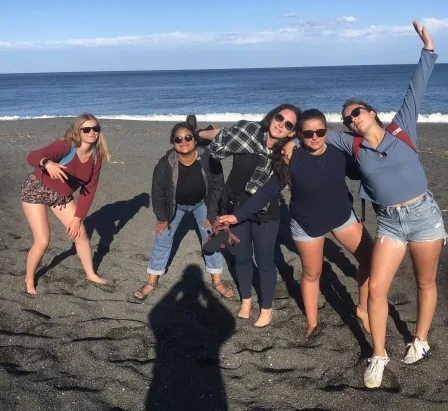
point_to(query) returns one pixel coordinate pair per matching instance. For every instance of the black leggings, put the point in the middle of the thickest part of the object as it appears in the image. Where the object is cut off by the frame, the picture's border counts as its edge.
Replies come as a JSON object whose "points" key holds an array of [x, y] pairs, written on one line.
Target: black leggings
{"points": [[259, 240]]}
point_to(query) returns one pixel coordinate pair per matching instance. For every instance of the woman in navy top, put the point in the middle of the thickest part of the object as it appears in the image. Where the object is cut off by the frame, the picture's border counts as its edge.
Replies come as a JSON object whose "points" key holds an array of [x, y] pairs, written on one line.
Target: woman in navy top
{"points": [[393, 179], [319, 204]]}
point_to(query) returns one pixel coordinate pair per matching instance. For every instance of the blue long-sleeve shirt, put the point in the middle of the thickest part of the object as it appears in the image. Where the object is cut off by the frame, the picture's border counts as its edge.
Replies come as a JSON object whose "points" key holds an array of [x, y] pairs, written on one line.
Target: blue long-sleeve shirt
{"points": [[397, 176]]}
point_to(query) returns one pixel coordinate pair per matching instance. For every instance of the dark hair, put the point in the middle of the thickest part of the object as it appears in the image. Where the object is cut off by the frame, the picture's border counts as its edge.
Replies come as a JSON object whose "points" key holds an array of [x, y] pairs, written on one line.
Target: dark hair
{"points": [[267, 119], [280, 167], [312, 114], [178, 126], [361, 103]]}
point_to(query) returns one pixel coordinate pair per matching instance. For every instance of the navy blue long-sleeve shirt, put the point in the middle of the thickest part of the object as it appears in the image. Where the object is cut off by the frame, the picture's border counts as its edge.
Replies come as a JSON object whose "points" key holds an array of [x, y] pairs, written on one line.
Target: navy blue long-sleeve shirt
{"points": [[319, 195]]}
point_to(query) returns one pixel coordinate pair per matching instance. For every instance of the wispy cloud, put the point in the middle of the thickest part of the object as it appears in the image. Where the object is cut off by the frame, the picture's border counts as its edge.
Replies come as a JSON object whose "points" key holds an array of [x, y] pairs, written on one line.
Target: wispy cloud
{"points": [[346, 27], [347, 19], [435, 24], [290, 15]]}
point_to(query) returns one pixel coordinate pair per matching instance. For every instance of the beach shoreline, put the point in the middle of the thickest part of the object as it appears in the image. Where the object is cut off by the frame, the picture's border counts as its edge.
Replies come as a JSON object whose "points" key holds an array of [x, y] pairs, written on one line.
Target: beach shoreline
{"points": [[77, 346]]}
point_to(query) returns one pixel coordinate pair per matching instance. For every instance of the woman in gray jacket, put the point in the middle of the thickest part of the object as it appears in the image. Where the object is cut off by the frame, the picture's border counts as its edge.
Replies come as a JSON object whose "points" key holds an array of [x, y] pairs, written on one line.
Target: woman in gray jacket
{"points": [[186, 179]]}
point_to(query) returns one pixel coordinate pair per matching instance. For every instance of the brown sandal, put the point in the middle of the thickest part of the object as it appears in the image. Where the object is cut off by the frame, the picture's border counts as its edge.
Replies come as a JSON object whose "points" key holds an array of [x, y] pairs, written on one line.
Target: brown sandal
{"points": [[142, 293], [226, 291]]}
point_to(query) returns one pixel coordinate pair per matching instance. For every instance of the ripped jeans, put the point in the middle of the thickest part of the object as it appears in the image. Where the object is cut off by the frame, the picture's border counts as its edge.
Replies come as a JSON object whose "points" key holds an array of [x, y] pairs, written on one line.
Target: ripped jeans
{"points": [[419, 221]]}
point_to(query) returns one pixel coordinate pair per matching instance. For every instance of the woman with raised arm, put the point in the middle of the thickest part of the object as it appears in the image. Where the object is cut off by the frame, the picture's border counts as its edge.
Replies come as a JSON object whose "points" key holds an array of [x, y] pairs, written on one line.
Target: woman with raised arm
{"points": [[393, 179], [71, 162], [251, 145], [320, 204]]}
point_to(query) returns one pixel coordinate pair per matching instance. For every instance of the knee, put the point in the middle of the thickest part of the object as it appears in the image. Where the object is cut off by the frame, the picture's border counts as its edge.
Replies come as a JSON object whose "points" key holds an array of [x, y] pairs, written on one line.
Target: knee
{"points": [[42, 243], [376, 290], [311, 276], [426, 284], [82, 237]]}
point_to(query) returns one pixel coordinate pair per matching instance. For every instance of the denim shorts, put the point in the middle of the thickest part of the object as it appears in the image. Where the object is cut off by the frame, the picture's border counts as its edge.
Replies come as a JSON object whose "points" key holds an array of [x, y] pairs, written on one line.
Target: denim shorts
{"points": [[418, 221], [299, 234]]}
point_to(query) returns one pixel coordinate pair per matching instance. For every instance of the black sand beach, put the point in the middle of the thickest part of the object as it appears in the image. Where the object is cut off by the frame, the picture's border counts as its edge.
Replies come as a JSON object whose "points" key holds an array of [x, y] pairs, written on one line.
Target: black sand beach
{"points": [[81, 347]]}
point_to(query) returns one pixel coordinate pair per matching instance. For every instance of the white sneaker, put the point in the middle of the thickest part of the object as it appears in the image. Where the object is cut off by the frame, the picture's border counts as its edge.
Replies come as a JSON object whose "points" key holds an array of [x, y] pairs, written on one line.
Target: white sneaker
{"points": [[374, 371], [416, 350]]}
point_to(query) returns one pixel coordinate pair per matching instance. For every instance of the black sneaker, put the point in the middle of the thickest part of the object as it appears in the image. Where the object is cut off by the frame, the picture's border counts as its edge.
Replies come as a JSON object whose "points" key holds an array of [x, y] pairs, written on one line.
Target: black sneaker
{"points": [[191, 119]]}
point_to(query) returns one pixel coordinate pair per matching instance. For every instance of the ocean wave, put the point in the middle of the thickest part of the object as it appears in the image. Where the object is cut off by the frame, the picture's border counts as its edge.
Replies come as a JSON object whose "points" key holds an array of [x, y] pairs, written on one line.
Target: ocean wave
{"points": [[228, 117]]}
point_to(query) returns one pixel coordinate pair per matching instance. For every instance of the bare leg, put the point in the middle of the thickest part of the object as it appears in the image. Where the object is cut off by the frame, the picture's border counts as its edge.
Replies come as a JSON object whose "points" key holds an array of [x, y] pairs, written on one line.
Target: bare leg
{"points": [[244, 312], [264, 319], [425, 257], [387, 256], [37, 217], [312, 255], [356, 239], [65, 215]]}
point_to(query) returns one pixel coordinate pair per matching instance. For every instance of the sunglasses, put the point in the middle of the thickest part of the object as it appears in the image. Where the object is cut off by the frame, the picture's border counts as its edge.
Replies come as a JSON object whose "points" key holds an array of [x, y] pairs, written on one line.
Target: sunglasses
{"points": [[355, 113], [288, 125], [187, 138], [86, 130], [310, 133]]}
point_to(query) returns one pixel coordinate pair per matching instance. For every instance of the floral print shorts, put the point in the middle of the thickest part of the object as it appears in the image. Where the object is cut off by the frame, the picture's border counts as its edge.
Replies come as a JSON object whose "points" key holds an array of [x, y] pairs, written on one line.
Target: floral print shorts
{"points": [[34, 192]]}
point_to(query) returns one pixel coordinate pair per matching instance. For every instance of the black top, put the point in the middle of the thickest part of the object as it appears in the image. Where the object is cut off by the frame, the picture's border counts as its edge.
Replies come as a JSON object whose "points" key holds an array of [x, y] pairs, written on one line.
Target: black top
{"points": [[243, 167], [190, 188], [319, 195]]}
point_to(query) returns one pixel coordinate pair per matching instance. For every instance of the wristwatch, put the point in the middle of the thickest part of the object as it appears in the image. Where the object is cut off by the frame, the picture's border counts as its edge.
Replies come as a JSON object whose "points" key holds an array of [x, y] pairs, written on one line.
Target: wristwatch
{"points": [[45, 162]]}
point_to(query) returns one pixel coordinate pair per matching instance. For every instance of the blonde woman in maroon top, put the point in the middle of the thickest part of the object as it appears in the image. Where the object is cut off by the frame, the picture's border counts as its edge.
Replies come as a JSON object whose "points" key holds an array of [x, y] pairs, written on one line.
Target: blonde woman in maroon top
{"points": [[82, 150]]}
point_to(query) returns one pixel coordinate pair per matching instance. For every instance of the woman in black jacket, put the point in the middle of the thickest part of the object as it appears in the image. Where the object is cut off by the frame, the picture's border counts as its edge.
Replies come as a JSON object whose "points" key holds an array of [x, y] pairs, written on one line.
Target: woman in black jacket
{"points": [[185, 179], [250, 143]]}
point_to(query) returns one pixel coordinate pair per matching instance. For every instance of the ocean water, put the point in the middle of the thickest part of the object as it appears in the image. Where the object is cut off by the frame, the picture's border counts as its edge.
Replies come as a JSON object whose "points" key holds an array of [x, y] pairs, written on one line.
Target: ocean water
{"points": [[216, 95]]}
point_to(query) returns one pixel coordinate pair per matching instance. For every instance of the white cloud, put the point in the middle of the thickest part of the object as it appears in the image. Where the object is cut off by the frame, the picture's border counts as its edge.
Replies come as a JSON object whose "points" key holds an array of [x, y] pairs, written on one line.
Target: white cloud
{"points": [[301, 29], [347, 19], [435, 24], [290, 15]]}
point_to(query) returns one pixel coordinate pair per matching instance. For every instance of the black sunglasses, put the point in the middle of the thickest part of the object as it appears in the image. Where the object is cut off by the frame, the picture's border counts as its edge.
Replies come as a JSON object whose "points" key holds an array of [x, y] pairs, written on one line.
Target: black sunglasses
{"points": [[355, 113], [86, 130], [310, 133], [187, 138], [288, 125]]}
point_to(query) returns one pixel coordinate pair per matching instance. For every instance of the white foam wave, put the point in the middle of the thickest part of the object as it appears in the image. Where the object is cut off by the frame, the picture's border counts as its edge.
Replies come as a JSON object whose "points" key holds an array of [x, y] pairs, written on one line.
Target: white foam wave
{"points": [[388, 116], [229, 117]]}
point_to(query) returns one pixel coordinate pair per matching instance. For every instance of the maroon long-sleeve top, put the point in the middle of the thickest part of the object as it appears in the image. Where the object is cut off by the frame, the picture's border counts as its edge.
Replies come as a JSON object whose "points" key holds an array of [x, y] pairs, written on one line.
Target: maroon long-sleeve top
{"points": [[84, 175]]}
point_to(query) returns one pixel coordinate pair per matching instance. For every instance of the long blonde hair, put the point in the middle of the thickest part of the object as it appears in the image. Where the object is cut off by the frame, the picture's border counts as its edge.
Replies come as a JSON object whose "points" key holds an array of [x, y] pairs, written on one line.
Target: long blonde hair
{"points": [[73, 136]]}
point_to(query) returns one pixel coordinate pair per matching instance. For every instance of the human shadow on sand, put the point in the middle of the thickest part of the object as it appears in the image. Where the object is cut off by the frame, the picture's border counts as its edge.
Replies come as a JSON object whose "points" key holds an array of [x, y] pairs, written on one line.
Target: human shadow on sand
{"points": [[107, 221], [190, 325]]}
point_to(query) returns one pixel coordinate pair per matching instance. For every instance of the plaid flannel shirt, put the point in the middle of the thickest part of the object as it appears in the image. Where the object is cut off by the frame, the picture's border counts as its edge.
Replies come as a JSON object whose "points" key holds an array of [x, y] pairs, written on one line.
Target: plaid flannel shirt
{"points": [[245, 137]]}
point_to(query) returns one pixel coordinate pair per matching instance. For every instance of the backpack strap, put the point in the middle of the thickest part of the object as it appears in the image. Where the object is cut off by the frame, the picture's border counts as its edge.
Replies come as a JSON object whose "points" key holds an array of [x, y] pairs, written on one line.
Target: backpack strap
{"points": [[69, 156], [398, 132], [356, 146]]}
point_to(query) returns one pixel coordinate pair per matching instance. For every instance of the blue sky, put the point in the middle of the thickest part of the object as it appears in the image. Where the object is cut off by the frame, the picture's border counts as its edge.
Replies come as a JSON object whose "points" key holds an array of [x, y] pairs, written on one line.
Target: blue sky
{"points": [[51, 36]]}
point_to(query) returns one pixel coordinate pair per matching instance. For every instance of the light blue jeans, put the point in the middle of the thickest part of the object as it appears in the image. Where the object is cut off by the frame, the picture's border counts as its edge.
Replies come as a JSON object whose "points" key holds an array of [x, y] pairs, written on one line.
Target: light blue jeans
{"points": [[161, 247], [419, 221]]}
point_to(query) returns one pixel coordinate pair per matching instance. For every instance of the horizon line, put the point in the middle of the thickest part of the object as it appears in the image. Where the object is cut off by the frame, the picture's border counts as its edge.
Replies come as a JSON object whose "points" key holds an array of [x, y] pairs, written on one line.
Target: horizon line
{"points": [[211, 69]]}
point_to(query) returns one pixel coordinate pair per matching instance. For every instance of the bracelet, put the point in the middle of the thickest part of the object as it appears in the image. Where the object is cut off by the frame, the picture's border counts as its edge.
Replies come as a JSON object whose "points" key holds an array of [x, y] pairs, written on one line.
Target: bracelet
{"points": [[431, 50]]}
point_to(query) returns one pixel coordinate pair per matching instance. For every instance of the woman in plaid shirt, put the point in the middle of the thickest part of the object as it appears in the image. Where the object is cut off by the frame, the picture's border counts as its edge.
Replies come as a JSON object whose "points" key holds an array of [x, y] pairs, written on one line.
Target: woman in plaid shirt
{"points": [[250, 143]]}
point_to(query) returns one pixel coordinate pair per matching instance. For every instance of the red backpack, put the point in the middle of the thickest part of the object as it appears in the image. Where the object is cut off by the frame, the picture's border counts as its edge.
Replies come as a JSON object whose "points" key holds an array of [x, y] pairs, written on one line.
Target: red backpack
{"points": [[395, 130]]}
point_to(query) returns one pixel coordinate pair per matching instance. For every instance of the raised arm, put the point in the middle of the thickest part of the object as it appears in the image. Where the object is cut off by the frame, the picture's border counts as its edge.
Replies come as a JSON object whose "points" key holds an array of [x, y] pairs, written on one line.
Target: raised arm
{"points": [[407, 115]]}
